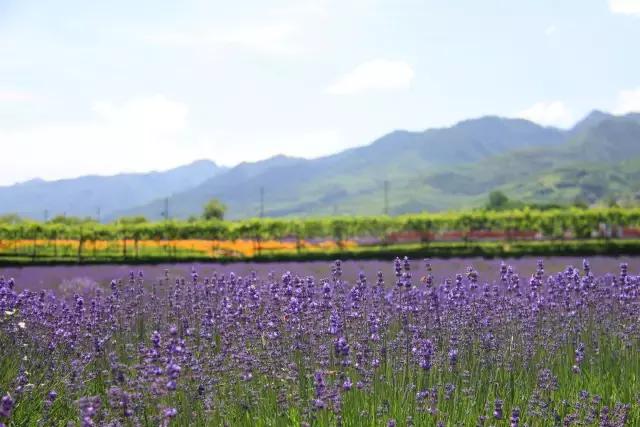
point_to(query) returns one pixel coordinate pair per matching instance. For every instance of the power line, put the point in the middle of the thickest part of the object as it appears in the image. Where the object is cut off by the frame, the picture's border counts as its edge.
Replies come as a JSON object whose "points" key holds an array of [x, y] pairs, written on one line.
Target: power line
{"points": [[165, 213]]}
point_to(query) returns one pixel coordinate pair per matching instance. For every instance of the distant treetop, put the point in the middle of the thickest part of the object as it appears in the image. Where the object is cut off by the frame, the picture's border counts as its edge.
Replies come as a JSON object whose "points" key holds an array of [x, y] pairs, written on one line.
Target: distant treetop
{"points": [[214, 209], [132, 220]]}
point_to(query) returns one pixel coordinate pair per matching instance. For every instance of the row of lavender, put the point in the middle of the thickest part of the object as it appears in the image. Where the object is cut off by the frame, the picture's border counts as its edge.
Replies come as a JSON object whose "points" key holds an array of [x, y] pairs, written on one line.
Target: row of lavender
{"points": [[407, 349]]}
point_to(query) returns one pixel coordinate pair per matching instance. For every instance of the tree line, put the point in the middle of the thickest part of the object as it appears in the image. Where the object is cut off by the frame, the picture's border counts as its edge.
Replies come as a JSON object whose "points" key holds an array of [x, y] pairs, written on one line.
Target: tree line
{"points": [[550, 223]]}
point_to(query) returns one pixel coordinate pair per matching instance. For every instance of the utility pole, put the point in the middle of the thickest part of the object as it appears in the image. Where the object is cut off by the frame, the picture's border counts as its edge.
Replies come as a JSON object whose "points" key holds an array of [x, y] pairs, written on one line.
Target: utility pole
{"points": [[46, 215], [98, 214], [165, 213], [261, 202], [386, 197]]}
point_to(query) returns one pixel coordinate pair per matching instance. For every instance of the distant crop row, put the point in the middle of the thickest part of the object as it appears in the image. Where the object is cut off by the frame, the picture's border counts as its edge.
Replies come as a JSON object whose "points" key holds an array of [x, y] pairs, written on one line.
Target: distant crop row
{"points": [[557, 223]]}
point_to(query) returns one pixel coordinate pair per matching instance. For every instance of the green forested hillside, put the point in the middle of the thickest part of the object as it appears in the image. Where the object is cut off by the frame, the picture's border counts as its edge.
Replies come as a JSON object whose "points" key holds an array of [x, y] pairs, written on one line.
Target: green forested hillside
{"points": [[596, 161], [451, 168]]}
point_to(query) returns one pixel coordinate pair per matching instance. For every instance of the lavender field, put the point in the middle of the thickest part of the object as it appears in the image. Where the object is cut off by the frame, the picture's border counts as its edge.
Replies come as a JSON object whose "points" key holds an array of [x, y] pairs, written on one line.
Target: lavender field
{"points": [[458, 342]]}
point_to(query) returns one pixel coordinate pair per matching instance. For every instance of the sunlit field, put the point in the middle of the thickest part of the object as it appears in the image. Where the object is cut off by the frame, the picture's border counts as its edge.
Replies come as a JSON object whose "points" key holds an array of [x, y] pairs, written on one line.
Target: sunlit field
{"points": [[355, 343]]}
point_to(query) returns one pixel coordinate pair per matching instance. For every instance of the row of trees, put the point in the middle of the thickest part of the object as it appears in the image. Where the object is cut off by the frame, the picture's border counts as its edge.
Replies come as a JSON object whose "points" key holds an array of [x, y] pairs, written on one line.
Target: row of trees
{"points": [[550, 223]]}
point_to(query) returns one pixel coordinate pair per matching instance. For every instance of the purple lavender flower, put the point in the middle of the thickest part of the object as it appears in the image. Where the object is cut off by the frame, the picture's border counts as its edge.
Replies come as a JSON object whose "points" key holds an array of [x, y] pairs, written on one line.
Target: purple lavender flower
{"points": [[342, 347], [6, 406], [423, 351], [515, 417], [497, 409]]}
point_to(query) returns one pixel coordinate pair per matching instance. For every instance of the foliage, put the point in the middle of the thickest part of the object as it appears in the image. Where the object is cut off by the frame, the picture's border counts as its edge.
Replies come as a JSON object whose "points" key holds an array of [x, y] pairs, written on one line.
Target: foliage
{"points": [[214, 209], [551, 223], [497, 200], [71, 220], [10, 219], [131, 220]]}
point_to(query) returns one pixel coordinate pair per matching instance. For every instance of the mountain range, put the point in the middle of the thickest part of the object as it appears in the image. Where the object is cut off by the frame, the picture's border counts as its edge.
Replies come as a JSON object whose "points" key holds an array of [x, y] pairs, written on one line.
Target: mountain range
{"points": [[93, 195], [437, 169]]}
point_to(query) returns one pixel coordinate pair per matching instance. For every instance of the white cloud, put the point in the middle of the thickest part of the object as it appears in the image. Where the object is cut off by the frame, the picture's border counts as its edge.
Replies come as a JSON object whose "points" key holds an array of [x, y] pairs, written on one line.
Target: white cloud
{"points": [[150, 115], [232, 147], [145, 133], [625, 7], [550, 30], [268, 39], [628, 101], [11, 96], [303, 9], [279, 31], [553, 113], [373, 75]]}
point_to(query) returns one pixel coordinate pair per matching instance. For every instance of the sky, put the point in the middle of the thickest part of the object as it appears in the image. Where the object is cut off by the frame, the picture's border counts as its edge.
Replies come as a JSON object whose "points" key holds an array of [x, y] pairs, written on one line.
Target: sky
{"points": [[127, 86]]}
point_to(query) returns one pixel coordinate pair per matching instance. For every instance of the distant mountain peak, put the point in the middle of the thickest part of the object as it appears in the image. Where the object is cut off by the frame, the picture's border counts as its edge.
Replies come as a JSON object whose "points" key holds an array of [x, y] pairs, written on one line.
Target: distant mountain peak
{"points": [[594, 118], [32, 181], [202, 162]]}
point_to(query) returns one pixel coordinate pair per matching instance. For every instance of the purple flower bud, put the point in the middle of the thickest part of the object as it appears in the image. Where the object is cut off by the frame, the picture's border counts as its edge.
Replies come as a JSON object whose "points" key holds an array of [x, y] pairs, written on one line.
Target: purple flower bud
{"points": [[515, 417], [6, 406], [173, 370], [155, 339], [170, 412], [497, 409], [342, 347]]}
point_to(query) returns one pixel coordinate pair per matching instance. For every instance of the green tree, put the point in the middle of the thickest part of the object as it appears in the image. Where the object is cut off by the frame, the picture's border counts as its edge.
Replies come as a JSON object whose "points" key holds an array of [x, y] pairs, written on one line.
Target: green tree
{"points": [[497, 200], [71, 220], [580, 202], [214, 209], [10, 219], [132, 220]]}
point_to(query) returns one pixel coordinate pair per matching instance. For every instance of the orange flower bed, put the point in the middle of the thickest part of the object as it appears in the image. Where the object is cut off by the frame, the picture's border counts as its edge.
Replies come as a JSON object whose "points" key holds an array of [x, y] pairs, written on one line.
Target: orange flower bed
{"points": [[241, 247], [211, 248]]}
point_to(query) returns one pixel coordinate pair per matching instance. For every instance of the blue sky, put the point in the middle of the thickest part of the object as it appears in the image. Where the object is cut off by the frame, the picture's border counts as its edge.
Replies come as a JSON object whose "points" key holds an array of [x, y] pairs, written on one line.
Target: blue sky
{"points": [[105, 87]]}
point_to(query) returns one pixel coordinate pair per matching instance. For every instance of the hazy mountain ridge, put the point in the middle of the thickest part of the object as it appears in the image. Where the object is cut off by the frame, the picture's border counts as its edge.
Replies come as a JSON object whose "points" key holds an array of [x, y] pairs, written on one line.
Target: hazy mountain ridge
{"points": [[436, 169], [478, 155], [333, 183], [85, 195]]}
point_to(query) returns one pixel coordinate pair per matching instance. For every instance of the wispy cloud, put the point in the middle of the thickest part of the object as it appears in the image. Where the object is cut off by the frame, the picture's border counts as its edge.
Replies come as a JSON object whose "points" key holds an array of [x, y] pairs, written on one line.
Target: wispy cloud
{"points": [[625, 7], [12, 96], [143, 132], [550, 30], [279, 31], [303, 9], [231, 148], [628, 101], [553, 113], [378, 74], [268, 39]]}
